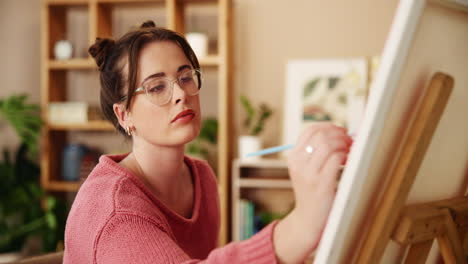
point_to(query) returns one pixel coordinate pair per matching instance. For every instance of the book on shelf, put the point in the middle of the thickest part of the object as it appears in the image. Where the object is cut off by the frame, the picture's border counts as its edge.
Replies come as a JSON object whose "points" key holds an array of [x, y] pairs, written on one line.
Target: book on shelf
{"points": [[252, 220], [68, 112], [73, 112], [78, 160], [246, 221]]}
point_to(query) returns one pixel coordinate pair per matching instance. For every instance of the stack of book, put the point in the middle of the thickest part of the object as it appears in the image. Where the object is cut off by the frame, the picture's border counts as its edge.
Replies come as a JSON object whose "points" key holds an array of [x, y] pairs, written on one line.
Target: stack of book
{"points": [[73, 112], [78, 161], [252, 219], [246, 219], [68, 112]]}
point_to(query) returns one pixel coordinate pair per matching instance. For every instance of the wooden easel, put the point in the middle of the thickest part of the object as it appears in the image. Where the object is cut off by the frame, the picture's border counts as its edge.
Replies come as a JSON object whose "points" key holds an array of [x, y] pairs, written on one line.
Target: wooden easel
{"points": [[446, 221], [417, 226]]}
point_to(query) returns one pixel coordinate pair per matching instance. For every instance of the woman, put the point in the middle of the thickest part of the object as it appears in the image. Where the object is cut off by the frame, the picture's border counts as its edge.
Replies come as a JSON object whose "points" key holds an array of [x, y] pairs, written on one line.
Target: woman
{"points": [[155, 205]]}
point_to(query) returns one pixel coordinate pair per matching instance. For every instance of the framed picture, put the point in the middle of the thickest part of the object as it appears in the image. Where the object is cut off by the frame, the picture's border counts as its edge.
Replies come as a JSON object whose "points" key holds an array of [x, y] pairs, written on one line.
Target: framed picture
{"points": [[332, 90]]}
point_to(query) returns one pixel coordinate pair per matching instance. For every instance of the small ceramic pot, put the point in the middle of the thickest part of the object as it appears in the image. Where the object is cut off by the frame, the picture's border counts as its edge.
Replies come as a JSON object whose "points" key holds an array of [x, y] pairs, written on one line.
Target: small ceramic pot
{"points": [[198, 42], [249, 144]]}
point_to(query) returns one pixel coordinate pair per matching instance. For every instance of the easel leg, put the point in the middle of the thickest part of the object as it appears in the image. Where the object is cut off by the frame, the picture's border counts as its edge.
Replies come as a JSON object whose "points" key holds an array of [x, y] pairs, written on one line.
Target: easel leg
{"points": [[450, 244], [464, 236], [445, 220], [418, 252], [446, 249]]}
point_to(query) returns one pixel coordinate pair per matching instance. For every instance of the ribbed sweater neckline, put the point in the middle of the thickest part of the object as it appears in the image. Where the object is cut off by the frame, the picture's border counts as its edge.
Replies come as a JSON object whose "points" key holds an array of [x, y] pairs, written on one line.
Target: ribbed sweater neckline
{"points": [[111, 162]]}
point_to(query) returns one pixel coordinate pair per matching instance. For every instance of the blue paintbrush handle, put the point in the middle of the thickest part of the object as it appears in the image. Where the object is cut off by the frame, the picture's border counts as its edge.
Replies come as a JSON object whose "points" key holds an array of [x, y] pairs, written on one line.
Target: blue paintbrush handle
{"points": [[270, 150]]}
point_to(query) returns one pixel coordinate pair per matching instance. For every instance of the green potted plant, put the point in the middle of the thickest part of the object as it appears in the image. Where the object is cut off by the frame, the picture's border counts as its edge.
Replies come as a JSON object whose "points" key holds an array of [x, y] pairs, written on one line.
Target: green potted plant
{"points": [[203, 146], [26, 211], [253, 125]]}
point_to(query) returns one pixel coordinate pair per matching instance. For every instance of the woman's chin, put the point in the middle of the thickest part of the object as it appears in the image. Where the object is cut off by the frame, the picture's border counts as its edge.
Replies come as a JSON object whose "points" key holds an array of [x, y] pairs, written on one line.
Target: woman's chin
{"points": [[187, 137], [174, 138]]}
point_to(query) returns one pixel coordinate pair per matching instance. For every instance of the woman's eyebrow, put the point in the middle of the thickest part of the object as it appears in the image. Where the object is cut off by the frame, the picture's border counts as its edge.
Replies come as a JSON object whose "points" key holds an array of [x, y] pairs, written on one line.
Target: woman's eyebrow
{"points": [[154, 75], [162, 74], [183, 67]]}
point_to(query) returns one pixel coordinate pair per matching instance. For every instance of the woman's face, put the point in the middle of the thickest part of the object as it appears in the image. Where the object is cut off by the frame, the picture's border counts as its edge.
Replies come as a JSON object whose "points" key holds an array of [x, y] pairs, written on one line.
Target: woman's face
{"points": [[176, 122]]}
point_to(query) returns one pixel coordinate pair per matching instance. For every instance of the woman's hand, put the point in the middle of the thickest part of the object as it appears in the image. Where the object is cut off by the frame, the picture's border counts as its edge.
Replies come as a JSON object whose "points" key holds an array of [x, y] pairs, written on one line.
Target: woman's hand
{"points": [[314, 175]]}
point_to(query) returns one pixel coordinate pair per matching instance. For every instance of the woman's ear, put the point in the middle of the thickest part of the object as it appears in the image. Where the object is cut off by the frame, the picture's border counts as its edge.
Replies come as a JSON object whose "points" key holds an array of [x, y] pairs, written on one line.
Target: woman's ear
{"points": [[122, 115]]}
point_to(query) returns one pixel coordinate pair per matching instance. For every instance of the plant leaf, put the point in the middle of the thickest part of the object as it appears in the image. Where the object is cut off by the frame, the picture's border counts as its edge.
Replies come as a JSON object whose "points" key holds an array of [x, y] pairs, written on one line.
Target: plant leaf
{"points": [[209, 130], [265, 113], [24, 118], [310, 87], [51, 220], [51, 203], [332, 82], [248, 109]]}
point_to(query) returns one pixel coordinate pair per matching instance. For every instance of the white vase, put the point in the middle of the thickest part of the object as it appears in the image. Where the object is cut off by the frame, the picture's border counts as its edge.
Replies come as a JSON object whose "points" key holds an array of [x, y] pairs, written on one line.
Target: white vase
{"points": [[249, 144], [63, 50], [199, 43]]}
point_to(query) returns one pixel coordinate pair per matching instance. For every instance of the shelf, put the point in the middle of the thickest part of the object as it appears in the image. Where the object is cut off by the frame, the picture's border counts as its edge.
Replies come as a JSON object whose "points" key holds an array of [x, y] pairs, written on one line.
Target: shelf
{"points": [[129, 1], [89, 64], [90, 126], [263, 163], [264, 183], [210, 60], [198, 1], [63, 186], [146, 1], [67, 2], [73, 64]]}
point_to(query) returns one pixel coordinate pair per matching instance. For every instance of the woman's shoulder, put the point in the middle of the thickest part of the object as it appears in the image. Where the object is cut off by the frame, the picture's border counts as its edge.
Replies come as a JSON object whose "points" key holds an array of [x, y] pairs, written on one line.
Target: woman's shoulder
{"points": [[103, 181], [110, 189]]}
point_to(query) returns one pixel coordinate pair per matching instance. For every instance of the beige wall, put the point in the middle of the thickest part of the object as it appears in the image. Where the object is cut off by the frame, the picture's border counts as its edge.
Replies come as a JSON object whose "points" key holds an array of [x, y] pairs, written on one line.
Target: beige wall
{"points": [[267, 34], [19, 56]]}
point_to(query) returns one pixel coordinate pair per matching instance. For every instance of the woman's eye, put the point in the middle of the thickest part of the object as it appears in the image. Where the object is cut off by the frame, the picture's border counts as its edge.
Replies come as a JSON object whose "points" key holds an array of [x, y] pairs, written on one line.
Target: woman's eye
{"points": [[186, 79], [157, 88]]}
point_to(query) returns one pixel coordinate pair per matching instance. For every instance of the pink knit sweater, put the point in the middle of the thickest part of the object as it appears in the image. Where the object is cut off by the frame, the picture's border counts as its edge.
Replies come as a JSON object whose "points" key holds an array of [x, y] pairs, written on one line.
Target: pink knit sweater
{"points": [[116, 219]]}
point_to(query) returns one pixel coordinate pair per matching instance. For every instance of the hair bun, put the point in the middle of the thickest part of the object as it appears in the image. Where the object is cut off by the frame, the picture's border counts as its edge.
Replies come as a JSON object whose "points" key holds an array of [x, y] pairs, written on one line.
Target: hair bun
{"points": [[100, 50], [148, 24]]}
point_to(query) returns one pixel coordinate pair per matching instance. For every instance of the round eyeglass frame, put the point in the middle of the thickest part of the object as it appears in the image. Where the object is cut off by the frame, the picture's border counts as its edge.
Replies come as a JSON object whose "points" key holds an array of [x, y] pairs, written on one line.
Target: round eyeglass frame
{"points": [[171, 82]]}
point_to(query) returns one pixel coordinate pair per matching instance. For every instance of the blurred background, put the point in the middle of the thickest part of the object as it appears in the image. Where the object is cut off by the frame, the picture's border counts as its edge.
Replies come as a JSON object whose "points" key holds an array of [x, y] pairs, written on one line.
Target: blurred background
{"points": [[270, 67]]}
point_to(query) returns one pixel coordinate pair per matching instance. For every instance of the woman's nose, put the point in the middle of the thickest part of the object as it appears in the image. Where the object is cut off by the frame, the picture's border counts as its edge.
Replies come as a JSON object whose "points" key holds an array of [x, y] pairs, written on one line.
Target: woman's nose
{"points": [[179, 94]]}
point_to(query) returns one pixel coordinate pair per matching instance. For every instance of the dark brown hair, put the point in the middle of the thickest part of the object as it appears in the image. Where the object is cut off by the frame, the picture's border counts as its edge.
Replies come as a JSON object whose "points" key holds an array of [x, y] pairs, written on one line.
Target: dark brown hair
{"points": [[111, 56]]}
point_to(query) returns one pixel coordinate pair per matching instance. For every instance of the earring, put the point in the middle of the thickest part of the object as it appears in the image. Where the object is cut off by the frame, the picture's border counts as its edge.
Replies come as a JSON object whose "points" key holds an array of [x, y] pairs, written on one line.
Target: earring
{"points": [[129, 130]]}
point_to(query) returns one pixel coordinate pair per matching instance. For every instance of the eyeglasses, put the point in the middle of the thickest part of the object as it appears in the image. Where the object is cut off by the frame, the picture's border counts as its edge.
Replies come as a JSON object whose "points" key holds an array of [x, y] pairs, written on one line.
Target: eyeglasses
{"points": [[159, 90]]}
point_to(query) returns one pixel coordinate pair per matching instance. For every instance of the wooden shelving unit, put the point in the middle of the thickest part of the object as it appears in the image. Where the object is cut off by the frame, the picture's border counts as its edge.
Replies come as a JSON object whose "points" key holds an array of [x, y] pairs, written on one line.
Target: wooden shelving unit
{"points": [[263, 183], [100, 24], [210, 60], [61, 186], [89, 126], [73, 64], [260, 181]]}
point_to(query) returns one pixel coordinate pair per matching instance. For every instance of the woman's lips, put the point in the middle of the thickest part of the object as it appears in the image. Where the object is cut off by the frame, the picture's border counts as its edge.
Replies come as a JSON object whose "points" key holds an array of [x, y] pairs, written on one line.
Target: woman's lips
{"points": [[184, 116]]}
